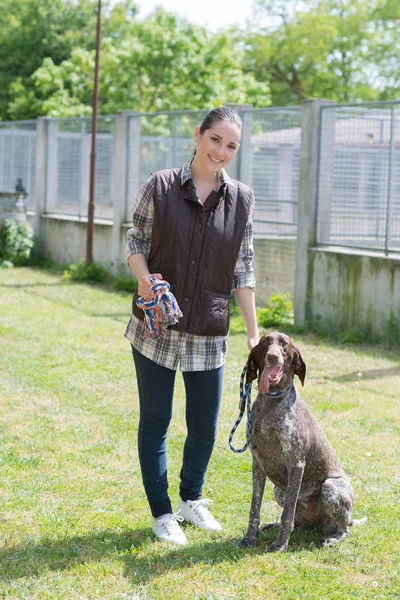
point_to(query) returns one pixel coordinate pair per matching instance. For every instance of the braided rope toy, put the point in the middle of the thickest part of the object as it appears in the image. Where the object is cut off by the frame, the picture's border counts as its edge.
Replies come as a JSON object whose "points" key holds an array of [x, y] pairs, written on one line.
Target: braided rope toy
{"points": [[245, 398], [160, 311]]}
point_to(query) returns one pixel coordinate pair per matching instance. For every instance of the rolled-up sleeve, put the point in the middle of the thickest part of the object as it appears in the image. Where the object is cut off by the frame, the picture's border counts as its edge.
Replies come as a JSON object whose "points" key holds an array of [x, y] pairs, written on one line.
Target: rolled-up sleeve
{"points": [[139, 236], [243, 275]]}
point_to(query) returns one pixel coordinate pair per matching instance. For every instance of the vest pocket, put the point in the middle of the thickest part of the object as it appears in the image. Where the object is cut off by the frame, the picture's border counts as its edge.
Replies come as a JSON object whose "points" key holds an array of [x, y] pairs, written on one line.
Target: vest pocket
{"points": [[215, 314]]}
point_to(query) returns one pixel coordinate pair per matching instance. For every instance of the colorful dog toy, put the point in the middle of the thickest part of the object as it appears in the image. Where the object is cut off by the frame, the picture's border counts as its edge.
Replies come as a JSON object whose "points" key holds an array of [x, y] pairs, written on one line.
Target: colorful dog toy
{"points": [[160, 311]]}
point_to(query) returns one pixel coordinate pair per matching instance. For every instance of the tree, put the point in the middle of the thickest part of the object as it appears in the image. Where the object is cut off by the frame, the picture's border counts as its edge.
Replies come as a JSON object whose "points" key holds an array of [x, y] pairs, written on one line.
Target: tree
{"points": [[31, 31], [162, 63], [335, 49]]}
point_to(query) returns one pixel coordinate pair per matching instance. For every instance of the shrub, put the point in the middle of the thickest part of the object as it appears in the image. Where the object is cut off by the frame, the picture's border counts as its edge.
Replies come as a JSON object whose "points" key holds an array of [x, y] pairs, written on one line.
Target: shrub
{"points": [[125, 284], [279, 311], [80, 272], [17, 242]]}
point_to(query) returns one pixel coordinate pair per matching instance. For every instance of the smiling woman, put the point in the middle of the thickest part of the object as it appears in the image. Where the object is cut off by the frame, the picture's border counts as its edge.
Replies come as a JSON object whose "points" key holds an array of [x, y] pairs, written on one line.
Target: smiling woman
{"points": [[192, 228]]}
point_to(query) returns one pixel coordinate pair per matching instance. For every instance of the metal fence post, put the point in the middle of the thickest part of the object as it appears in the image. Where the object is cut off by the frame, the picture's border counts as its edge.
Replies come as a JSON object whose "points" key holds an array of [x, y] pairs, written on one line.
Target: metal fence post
{"points": [[326, 158], [40, 174], [234, 167], [245, 152], [307, 215], [51, 166], [124, 161], [134, 160], [391, 179], [119, 183], [84, 170]]}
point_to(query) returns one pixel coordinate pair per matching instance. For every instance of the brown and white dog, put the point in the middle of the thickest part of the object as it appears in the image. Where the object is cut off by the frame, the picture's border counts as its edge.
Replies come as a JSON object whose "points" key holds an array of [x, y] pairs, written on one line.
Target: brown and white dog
{"points": [[290, 448]]}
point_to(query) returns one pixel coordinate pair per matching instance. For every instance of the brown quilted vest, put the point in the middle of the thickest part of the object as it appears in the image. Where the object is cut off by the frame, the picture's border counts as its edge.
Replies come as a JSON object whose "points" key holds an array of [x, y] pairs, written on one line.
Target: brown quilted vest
{"points": [[196, 250]]}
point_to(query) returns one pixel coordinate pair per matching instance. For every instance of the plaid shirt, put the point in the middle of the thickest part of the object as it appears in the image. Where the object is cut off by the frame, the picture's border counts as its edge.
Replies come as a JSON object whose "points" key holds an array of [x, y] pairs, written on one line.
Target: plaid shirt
{"points": [[191, 352]]}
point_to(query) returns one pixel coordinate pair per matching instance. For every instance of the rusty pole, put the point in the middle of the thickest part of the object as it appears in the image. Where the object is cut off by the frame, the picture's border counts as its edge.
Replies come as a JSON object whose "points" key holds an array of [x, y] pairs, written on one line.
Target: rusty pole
{"points": [[90, 224]]}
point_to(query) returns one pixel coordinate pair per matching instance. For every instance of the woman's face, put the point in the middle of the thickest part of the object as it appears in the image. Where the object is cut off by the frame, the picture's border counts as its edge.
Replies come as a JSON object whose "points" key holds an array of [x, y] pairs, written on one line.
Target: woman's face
{"points": [[217, 146]]}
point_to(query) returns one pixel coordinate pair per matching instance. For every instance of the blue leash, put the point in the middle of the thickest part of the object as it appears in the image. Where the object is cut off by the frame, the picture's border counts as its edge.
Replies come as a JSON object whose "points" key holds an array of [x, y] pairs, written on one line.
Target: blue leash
{"points": [[245, 399]]}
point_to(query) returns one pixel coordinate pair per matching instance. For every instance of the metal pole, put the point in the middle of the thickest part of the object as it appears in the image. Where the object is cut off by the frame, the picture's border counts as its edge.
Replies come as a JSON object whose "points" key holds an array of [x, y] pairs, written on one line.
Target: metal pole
{"points": [[90, 225], [391, 174], [175, 141]]}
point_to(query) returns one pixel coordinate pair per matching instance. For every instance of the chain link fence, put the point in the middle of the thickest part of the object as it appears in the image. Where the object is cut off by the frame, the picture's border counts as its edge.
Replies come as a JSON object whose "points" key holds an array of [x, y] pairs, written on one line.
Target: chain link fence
{"points": [[359, 177], [18, 158]]}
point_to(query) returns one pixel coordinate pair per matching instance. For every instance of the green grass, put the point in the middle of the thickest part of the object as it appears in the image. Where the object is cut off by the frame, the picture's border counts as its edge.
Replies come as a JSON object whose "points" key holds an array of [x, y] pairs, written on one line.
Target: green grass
{"points": [[74, 521]]}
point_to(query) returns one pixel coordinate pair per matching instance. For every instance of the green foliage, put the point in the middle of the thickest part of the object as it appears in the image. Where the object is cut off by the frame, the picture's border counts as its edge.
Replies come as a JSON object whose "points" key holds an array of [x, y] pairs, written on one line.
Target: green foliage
{"points": [[93, 273], [335, 49], [17, 243], [279, 311], [125, 284], [32, 31], [6, 264], [161, 63]]}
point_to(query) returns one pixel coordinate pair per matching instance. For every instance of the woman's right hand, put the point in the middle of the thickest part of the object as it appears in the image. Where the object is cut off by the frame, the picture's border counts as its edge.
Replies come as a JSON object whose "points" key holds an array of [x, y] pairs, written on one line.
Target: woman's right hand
{"points": [[144, 285]]}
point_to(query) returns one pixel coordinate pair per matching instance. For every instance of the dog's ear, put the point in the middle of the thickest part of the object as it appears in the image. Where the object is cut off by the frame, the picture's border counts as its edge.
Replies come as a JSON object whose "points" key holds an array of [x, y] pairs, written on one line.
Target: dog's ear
{"points": [[252, 366], [299, 365]]}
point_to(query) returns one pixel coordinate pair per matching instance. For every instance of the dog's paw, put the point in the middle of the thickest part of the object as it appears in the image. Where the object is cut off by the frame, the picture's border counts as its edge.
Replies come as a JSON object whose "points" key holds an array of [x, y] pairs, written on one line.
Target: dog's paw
{"points": [[332, 540], [277, 546], [250, 541]]}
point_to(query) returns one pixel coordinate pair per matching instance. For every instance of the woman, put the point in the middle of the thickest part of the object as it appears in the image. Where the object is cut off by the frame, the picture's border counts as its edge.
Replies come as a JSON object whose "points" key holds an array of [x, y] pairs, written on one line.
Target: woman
{"points": [[192, 227]]}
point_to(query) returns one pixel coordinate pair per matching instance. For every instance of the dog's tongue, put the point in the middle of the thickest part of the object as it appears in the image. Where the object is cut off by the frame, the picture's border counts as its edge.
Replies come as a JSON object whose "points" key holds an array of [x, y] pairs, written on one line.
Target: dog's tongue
{"points": [[267, 374], [263, 384]]}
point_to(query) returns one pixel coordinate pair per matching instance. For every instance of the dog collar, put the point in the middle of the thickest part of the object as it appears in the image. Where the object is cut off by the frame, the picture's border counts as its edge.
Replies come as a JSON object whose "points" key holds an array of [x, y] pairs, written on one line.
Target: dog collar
{"points": [[279, 393]]}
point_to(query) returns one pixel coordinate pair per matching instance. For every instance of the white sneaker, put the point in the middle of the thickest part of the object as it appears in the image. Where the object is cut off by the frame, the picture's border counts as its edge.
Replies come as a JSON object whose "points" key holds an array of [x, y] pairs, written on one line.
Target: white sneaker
{"points": [[197, 513], [167, 529]]}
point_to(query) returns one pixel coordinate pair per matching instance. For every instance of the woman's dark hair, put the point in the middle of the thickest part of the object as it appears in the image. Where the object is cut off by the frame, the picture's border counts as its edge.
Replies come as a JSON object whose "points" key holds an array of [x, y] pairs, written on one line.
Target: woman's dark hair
{"points": [[222, 113]]}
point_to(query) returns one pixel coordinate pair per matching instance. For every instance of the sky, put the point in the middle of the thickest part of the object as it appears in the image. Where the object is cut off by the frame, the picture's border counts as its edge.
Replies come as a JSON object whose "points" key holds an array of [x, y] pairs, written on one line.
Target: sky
{"points": [[213, 14]]}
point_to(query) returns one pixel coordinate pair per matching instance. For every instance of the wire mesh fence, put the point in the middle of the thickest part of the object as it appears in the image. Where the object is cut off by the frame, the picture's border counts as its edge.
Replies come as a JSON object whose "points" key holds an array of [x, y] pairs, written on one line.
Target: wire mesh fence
{"points": [[272, 164], [155, 142], [269, 161], [358, 173], [68, 166], [359, 177], [18, 158]]}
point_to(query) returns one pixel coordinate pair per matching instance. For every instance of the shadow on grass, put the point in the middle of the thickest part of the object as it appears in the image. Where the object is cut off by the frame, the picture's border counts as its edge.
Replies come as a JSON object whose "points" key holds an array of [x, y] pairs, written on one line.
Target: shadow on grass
{"points": [[128, 546], [117, 316], [21, 286], [369, 374]]}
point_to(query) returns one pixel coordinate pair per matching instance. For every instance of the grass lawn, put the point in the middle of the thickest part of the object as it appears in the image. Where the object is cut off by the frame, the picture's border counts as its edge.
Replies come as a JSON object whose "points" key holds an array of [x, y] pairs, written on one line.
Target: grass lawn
{"points": [[74, 521]]}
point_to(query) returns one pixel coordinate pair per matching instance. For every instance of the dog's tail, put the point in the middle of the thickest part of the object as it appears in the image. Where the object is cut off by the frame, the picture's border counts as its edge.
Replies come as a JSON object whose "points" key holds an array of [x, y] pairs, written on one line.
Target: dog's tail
{"points": [[358, 522]]}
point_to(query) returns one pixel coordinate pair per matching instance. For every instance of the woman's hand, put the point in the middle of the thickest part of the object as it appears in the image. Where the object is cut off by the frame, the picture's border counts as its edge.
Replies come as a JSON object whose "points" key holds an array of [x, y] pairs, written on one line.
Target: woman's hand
{"points": [[144, 285], [252, 342]]}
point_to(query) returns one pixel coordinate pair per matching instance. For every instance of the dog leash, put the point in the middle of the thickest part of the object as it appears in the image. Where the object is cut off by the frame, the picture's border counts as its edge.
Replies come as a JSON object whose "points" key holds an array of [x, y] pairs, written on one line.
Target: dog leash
{"points": [[245, 399]]}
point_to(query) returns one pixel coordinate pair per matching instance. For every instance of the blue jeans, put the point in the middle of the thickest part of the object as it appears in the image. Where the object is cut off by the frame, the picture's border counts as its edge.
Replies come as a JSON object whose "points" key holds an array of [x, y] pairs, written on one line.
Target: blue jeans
{"points": [[203, 399]]}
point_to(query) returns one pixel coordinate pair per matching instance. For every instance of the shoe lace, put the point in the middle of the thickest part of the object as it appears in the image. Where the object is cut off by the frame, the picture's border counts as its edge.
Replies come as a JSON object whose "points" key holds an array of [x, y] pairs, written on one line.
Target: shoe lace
{"points": [[171, 522], [200, 508]]}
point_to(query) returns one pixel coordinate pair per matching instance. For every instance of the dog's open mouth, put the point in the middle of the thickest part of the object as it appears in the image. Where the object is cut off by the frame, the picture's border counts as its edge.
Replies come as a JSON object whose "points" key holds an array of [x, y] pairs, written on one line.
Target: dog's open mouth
{"points": [[270, 376]]}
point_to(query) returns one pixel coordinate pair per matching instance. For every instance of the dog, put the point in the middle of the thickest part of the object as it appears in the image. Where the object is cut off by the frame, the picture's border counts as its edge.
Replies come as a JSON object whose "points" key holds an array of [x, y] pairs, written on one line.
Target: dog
{"points": [[289, 447]]}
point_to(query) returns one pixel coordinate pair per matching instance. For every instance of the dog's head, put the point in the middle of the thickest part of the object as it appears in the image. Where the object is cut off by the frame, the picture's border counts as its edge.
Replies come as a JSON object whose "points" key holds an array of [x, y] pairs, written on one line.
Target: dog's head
{"points": [[275, 360]]}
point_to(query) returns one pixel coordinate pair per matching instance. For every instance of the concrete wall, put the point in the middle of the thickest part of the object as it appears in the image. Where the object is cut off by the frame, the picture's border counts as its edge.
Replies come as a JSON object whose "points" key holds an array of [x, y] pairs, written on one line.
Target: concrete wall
{"points": [[352, 291], [63, 240], [275, 266]]}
